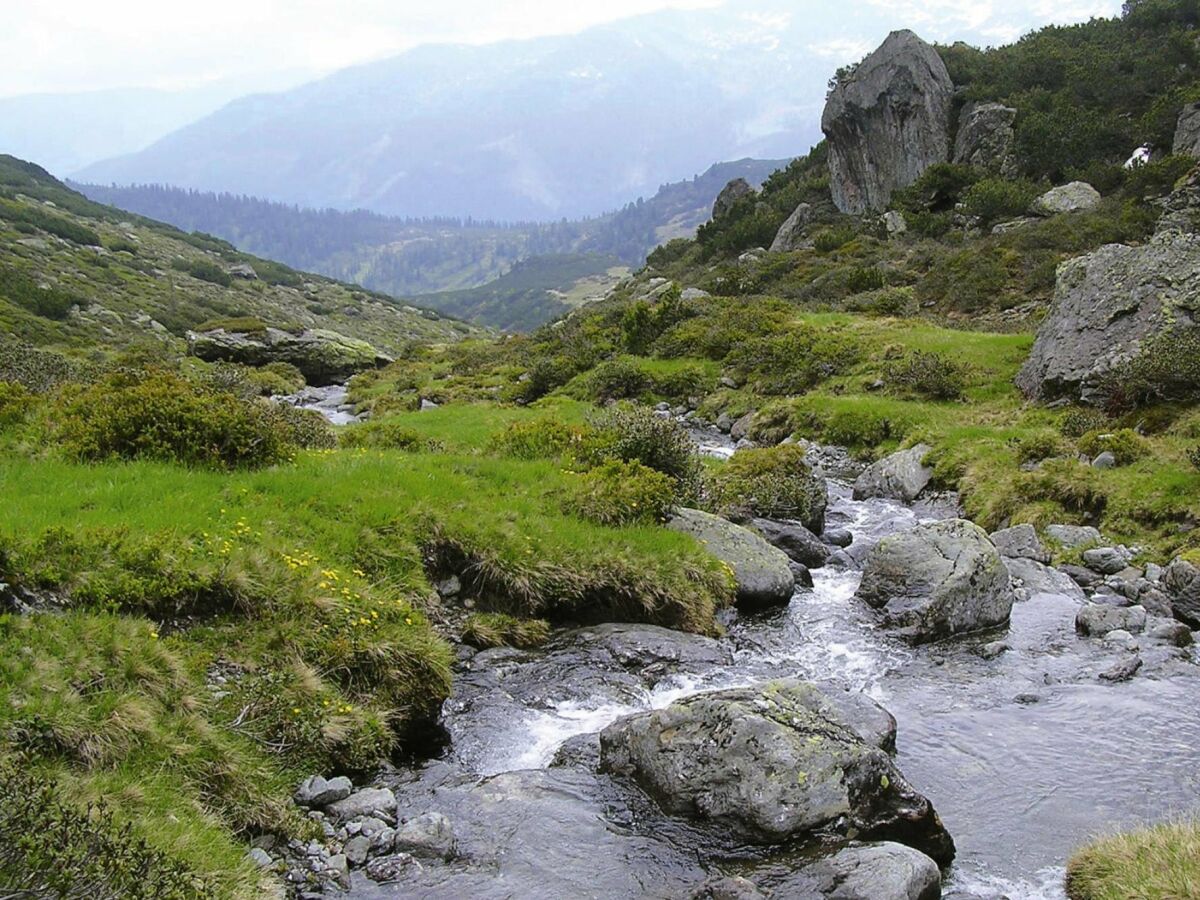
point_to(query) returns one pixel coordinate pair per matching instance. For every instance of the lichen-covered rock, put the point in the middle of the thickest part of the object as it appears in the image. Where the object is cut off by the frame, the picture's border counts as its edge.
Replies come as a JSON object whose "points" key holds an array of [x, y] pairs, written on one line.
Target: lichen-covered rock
{"points": [[1181, 583], [901, 476], [1106, 304], [938, 580], [762, 573], [887, 122], [1187, 132], [730, 195], [800, 544], [1073, 197], [986, 139], [1099, 619], [1020, 542], [323, 357], [775, 763], [1072, 537], [792, 232]]}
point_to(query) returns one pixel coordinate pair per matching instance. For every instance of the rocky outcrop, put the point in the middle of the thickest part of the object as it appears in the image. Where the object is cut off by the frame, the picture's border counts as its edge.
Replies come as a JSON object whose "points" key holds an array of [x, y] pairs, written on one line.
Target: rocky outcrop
{"points": [[777, 763], [871, 872], [792, 232], [1106, 304], [730, 195], [1073, 197], [1181, 210], [986, 139], [1187, 132], [1020, 542], [887, 122], [1181, 582], [761, 572], [901, 476], [938, 580], [323, 357]]}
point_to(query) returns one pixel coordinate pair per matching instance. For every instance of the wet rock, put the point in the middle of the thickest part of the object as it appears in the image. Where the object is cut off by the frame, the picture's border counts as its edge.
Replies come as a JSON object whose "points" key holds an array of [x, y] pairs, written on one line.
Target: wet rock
{"points": [[429, 835], [390, 868], [323, 357], [1174, 633], [317, 793], [774, 763], [1030, 578], [730, 195], [901, 476], [838, 537], [1123, 671], [1073, 197], [986, 139], [741, 427], [449, 587], [357, 849], [1181, 582], [1073, 537], [643, 647], [728, 888], [938, 580], [1121, 640], [1106, 304], [791, 233], [1105, 560], [1020, 542], [800, 544], [581, 751], [761, 572], [887, 123], [1187, 132], [1085, 578], [339, 867], [1157, 603], [1098, 619], [994, 650], [870, 872], [367, 802]]}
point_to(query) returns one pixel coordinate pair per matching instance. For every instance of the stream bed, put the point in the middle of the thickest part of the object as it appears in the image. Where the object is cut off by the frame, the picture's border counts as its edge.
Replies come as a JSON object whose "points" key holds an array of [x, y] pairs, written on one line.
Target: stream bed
{"points": [[1025, 756]]}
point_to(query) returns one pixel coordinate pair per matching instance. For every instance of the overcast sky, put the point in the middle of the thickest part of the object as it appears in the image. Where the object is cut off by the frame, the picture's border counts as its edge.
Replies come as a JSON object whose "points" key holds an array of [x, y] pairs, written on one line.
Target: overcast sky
{"points": [[76, 45]]}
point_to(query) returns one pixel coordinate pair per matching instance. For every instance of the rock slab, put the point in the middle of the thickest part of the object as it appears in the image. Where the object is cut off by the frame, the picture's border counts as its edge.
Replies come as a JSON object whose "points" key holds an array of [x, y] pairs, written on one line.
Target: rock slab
{"points": [[901, 476], [761, 572]]}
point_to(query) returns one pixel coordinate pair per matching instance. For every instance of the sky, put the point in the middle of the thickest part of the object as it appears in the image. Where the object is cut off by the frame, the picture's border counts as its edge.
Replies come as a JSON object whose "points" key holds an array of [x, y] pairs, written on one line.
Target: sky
{"points": [[79, 45]]}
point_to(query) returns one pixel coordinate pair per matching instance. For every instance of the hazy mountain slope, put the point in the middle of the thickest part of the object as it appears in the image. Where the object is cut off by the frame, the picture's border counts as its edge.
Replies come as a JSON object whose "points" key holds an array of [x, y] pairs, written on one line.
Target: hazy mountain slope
{"points": [[73, 272]]}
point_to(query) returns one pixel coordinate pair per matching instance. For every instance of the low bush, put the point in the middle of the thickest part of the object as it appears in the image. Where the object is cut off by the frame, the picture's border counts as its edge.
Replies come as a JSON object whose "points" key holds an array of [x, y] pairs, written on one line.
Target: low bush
{"points": [[49, 222], [1167, 369], [1155, 862], [15, 404], [828, 240], [929, 375], [37, 370], [538, 439], [635, 434], [616, 379], [774, 482], [278, 378], [1126, 445], [49, 848], [159, 415], [487, 631], [617, 492], [385, 434], [1040, 445], [205, 270], [1079, 420], [29, 294], [794, 360], [304, 428], [993, 199]]}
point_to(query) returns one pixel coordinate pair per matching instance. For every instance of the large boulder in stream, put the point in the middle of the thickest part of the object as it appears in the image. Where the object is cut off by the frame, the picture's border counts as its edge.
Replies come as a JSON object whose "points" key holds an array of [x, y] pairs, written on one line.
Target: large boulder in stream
{"points": [[885, 871], [901, 476], [938, 580], [887, 121], [781, 762], [323, 357], [1181, 581], [762, 573]]}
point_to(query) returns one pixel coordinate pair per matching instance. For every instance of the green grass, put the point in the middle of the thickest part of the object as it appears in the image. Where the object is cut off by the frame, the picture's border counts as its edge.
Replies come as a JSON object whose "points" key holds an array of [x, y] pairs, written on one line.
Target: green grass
{"points": [[470, 427], [1157, 863]]}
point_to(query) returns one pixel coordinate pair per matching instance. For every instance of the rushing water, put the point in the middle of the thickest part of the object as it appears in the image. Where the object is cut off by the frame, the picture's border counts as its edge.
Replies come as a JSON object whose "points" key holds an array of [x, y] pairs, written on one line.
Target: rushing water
{"points": [[1025, 756], [332, 402]]}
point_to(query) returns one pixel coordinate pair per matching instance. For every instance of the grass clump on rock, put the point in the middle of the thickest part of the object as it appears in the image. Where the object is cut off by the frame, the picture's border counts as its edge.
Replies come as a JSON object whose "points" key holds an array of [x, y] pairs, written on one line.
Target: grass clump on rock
{"points": [[1162, 861], [487, 631]]}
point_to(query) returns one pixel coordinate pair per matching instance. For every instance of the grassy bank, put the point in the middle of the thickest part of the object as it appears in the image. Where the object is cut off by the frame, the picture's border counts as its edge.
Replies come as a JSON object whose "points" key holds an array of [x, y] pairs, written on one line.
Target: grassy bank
{"points": [[1157, 863]]}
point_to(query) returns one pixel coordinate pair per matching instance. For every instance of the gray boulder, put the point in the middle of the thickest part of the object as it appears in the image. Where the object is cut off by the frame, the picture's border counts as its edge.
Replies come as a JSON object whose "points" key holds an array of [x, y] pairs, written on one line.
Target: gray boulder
{"points": [[792, 232], [1067, 198], [317, 793], [772, 764], [938, 580], [867, 872], [378, 802], [761, 572], [323, 357], [730, 195], [1072, 537], [1030, 578], [901, 476], [429, 835], [1187, 132], [1105, 560], [800, 544], [1020, 542], [986, 139], [1181, 582], [1181, 210], [741, 427], [693, 294], [1099, 619], [1106, 304], [887, 122]]}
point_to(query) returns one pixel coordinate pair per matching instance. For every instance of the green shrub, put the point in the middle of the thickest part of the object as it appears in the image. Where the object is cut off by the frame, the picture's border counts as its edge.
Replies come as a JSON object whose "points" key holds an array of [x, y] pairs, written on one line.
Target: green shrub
{"points": [[617, 492], [538, 439], [635, 434], [239, 324], [205, 270], [864, 278], [159, 415], [387, 434], [643, 323], [37, 370], [1041, 445], [1167, 369], [615, 379], [890, 301], [49, 222], [15, 404], [49, 848], [929, 375], [827, 240], [27, 293], [683, 382], [794, 360], [1079, 420], [1126, 445], [993, 199], [303, 428], [939, 189], [1158, 178], [489, 630], [774, 482]]}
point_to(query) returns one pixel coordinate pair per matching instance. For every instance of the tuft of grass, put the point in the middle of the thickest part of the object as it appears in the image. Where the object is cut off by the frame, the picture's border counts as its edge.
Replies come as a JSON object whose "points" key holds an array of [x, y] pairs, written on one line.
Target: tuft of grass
{"points": [[1161, 862], [488, 630]]}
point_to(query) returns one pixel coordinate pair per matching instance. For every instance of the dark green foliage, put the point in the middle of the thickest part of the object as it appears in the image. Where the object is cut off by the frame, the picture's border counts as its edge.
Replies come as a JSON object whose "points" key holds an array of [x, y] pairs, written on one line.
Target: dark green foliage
{"points": [[15, 404], [938, 189], [49, 848], [384, 434], [1157, 178], [616, 379], [642, 323], [617, 493], [47, 302], [159, 415], [1079, 420], [929, 375], [865, 278], [303, 428], [37, 370], [49, 222], [792, 360], [635, 434], [1125, 444], [205, 270], [831, 239], [774, 482], [994, 199], [1167, 369], [1041, 445], [538, 439]]}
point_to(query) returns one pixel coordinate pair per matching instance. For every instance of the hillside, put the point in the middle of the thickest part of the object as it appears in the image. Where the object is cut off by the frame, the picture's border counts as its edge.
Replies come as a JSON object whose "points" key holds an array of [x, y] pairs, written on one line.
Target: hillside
{"points": [[77, 273]]}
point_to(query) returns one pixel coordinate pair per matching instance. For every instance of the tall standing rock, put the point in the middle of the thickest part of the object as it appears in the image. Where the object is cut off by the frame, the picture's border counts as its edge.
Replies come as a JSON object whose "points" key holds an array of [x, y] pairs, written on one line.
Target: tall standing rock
{"points": [[887, 122], [1187, 132], [731, 194], [986, 139]]}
